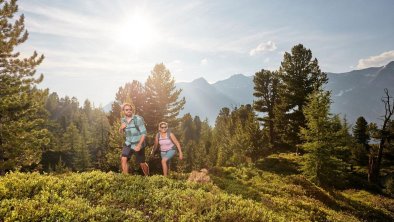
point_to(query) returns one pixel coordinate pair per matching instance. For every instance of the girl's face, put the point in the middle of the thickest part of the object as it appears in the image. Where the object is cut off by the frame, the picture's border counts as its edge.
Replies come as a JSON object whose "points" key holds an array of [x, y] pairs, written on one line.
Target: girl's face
{"points": [[163, 127]]}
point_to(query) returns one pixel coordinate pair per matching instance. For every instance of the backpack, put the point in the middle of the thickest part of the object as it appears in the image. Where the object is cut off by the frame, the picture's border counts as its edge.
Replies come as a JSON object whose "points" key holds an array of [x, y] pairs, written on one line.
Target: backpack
{"points": [[138, 129], [168, 136]]}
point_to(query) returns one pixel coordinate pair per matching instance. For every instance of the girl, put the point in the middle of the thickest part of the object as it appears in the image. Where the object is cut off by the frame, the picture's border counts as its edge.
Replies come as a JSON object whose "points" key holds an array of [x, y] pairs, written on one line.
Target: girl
{"points": [[167, 142]]}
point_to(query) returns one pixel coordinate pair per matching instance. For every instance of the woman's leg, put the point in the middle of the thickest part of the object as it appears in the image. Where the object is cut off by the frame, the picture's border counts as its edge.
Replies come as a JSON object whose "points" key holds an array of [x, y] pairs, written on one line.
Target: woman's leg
{"points": [[164, 166]]}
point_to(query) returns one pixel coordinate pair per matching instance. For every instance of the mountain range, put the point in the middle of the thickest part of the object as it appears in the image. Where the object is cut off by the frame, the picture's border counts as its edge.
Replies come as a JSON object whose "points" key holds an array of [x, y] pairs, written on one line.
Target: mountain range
{"points": [[356, 93]]}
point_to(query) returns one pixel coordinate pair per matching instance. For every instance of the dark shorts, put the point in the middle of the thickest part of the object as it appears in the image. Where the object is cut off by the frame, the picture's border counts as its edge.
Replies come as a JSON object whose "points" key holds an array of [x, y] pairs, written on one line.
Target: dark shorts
{"points": [[140, 155]]}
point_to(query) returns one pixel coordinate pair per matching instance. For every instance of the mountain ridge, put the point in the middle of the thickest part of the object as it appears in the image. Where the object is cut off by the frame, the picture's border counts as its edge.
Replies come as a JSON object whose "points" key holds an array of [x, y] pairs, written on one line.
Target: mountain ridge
{"points": [[354, 93]]}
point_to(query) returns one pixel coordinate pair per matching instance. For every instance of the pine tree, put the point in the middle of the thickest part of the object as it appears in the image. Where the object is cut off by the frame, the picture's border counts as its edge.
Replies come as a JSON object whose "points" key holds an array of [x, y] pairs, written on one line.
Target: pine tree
{"points": [[221, 138], [115, 146], [133, 93], [266, 87], [361, 135], [72, 143], [360, 132], [197, 128], [100, 133], [301, 76], [81, 154], [187, 128], [22, 116], [163, 103], [206, 140], [322, 166]]}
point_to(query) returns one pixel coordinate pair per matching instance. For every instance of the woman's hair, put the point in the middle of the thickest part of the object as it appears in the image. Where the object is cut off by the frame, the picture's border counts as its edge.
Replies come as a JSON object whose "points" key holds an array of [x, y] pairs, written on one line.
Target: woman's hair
{"points": [[163, 123]]}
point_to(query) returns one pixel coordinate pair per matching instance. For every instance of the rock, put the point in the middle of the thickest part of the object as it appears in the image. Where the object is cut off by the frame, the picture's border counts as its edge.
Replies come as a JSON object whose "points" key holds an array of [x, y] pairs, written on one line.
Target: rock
{"points": [[199, 176]]}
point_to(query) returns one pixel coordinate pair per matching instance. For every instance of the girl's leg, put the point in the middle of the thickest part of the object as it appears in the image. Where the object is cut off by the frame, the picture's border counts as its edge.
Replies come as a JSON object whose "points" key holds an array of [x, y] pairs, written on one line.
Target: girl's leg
{"points": [[164, 166]]}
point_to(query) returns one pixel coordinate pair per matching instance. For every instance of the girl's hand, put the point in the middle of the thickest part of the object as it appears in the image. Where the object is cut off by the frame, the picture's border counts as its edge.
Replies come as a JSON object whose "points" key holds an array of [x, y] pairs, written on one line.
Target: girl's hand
{"points": [[180, 156]]}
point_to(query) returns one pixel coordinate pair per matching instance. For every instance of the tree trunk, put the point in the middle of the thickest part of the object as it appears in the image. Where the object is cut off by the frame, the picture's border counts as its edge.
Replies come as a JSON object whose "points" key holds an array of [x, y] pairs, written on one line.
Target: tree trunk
{"points": [[373, 174], [2, 160], [374, 162]]}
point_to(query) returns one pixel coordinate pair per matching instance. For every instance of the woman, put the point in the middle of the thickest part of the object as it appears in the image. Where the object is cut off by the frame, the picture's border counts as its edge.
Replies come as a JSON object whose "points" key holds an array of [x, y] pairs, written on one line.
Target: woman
{"points": [[167, 142]]}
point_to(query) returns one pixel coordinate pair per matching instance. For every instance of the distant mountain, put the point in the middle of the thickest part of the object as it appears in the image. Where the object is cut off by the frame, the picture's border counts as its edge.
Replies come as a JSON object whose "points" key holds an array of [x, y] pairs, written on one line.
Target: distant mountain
{"points": [[238, 87], [356, 93], [359, 92], [203, 99]]}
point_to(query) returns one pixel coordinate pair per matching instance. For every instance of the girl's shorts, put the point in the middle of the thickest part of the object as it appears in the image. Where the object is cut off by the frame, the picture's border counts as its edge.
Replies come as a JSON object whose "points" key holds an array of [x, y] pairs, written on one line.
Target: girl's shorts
{"points": [[167, 154]]}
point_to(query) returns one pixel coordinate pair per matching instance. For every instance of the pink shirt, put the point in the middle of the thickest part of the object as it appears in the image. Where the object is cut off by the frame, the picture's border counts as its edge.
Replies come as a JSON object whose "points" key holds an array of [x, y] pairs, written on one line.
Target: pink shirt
{"points": [[165, 143]]}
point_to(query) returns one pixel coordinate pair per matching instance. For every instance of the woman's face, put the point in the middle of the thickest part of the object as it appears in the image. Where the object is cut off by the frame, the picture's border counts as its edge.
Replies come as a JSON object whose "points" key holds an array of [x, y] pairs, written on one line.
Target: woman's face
{"points": [[163, 127]]}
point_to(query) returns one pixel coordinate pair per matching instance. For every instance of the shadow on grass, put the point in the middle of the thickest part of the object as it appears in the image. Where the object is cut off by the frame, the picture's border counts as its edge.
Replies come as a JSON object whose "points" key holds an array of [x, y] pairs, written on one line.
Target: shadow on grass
{"points": [[360, 210], [233, 186], [278, 165]]}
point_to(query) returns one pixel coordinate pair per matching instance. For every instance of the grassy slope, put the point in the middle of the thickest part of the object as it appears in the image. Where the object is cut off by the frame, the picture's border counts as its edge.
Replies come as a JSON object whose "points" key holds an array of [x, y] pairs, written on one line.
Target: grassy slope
{"points": [[276, 193]]}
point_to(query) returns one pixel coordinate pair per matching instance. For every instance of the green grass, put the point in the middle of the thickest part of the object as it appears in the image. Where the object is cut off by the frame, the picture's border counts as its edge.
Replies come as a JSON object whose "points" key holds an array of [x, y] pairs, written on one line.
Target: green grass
{"points": [[279, 193]]}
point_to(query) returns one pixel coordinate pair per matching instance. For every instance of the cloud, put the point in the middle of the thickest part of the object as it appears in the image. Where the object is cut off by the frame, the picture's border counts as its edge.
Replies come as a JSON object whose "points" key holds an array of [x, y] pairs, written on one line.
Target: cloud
{"points": [[376, 61], [175, 66], [263, 47], [204, 62]]}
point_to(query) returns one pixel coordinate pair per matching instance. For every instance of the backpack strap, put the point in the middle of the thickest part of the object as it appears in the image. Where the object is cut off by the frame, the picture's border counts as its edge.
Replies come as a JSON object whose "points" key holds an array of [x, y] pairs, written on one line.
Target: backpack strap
{"points": [[136, 125], [138, 129], [168, 135]]}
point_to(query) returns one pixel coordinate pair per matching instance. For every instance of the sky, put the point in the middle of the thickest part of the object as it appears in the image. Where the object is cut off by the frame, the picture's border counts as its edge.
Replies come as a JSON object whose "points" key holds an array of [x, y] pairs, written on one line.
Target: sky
{"points": [[93, 47]]}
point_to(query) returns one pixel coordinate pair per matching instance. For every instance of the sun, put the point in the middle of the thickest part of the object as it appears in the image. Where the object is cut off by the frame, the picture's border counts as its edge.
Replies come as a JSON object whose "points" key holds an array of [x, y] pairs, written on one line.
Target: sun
{"points": [[136, 31]]}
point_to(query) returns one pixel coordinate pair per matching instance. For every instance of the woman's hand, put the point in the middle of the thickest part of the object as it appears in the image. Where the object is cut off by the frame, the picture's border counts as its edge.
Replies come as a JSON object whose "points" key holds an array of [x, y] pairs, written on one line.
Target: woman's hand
{"points": [[180, 156]]}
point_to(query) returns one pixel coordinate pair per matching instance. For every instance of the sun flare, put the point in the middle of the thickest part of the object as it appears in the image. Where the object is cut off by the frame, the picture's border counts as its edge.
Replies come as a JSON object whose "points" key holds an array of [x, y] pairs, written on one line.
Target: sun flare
{"points": [[136, 32]]}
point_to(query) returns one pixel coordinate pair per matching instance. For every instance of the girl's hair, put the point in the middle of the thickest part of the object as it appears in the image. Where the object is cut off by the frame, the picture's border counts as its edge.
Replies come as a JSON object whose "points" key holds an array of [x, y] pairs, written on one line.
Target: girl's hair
{"points": [[163, 123]]}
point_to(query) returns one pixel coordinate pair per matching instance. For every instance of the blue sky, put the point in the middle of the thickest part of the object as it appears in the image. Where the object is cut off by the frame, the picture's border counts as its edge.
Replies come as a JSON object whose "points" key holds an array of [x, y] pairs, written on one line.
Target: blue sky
{"points": [[92, 47]]}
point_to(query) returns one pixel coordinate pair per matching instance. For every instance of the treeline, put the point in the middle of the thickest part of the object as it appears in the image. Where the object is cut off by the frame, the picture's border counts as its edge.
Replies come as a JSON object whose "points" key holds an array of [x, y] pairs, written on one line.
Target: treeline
{"points": [[40, 131]]}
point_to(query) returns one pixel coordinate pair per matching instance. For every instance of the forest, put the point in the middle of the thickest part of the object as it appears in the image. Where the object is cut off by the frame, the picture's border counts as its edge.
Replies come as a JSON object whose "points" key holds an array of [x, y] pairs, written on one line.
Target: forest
{"points": [[286, 156]]}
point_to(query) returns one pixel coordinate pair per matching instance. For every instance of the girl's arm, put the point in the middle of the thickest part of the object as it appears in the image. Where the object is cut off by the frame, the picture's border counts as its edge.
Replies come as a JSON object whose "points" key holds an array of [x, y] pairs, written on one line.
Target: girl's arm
{"points": [[173, 138]]}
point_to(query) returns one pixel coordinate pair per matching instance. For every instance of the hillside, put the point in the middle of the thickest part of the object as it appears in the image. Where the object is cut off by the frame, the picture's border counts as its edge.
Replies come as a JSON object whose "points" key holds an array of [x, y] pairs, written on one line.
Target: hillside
{"points": [[272, 191], [356, 93]]}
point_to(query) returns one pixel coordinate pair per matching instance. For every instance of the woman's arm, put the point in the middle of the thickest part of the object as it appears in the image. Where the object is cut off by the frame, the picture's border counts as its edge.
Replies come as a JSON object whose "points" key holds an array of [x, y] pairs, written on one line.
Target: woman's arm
{"points": [[173, 138]]}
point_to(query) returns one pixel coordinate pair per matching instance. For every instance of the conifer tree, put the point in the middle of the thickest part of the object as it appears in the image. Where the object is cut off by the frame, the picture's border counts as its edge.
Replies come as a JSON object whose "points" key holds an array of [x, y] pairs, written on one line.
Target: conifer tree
{"points": [[187, 128], [221, 137], [100, 134], [115, 146], [197, 128], [72, 143], [163, 102], [266, 87], [301, 76], [361, 147], [81, 154], [22, 116], [133, 93], [360, 132], [206, 138], [321, 166]]}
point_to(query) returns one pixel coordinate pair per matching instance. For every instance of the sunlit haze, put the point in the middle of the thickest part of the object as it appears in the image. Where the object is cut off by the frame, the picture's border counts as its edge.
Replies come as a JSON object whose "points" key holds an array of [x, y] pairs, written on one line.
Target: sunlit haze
{"points": [[136, 32], [93, 47]]}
